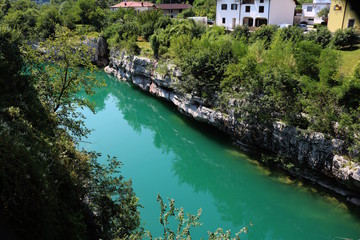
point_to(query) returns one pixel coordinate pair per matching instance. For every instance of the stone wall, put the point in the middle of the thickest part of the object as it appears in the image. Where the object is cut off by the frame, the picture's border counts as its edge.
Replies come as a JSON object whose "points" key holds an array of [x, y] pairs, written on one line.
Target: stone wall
{"points": [[312, 152]]}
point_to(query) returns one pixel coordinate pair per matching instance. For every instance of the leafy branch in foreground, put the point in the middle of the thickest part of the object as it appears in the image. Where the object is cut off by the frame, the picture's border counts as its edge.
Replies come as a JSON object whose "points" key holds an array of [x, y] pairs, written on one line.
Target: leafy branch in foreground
{"points": [[113, 201], [185, 222], [58, 65]]}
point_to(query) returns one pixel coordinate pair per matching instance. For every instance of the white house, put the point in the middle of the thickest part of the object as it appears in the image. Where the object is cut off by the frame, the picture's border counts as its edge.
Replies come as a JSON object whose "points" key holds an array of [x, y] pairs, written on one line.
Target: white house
{"points": [[230, 13], [310, 11], [137, 6]]}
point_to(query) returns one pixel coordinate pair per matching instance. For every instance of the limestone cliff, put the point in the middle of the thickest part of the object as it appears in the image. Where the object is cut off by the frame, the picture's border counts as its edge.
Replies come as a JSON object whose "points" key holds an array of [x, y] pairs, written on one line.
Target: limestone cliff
{"points": [[99, 56], [320, 159]]}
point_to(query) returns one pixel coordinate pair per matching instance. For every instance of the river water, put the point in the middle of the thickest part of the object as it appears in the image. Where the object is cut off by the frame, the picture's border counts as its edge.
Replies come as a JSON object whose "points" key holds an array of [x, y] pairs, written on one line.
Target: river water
{"points": [[167, 153]]}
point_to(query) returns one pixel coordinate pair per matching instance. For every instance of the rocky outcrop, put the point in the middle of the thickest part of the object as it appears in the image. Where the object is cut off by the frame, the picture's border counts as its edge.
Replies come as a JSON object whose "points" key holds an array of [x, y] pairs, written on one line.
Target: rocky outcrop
{"points": [[100, 51], [312, 152]]}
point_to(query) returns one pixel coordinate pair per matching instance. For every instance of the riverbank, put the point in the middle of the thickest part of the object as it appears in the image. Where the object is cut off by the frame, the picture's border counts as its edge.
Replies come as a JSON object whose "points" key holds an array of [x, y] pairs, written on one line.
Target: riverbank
{"points": [[306, 154]]}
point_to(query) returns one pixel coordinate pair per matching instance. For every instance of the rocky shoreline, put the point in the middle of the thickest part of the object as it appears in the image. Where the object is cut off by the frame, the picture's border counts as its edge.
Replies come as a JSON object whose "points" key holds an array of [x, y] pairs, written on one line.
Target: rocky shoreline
{"points": [[321, 160]]}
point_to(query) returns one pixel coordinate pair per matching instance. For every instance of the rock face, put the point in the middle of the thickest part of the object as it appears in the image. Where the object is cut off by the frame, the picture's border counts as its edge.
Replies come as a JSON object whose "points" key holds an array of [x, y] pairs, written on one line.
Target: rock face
{"points": [[100, 54], [311, 151]]}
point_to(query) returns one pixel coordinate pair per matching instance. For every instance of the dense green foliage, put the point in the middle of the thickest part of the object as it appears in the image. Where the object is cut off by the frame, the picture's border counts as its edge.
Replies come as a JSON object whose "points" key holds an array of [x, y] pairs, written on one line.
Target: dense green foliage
{"points": [[267, 75], [48, 189]]}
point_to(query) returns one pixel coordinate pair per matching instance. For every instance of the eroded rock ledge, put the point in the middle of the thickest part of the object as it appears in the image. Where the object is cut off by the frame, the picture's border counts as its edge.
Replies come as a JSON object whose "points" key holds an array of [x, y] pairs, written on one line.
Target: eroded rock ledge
{"points": [[320, 159]]}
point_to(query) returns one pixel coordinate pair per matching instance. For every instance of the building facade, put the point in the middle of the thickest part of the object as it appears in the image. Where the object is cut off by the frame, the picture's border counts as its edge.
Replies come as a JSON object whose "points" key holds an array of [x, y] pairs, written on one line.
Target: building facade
{"points": [[310, 11], [254, 13], [344, 14], [172, 10]]}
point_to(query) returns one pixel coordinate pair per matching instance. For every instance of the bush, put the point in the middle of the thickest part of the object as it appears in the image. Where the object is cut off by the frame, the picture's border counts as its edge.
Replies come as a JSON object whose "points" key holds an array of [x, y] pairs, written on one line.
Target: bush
{"points": [[345, 38], [47, 21], [241, 32], [118, 32], [163, 22], [264, 33], [204, 66], [329, 67], [146, 21], [307, 56], [186, 13], [323, 36], [292, 33], [155, 45], [130, 46]]}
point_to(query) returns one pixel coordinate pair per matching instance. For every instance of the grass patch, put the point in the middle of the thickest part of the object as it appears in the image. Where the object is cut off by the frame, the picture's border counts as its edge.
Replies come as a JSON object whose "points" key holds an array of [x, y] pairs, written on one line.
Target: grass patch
{"points": [[146, 50], [92, 34], [350, 58]]}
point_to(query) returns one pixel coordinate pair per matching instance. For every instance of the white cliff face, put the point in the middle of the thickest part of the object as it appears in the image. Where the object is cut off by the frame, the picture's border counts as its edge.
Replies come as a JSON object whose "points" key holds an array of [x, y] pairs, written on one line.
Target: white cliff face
{"points": [[308, 150]]}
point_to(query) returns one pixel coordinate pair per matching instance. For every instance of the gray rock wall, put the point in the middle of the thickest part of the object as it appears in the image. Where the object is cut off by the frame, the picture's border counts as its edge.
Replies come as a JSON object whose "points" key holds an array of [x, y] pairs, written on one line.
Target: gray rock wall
{"points": [[100, 51], [312, 151]]}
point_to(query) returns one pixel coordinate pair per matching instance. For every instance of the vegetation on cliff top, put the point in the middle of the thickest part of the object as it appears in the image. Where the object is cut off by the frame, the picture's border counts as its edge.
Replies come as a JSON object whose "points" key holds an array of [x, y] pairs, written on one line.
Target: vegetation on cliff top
{"points": [[49, 190]]}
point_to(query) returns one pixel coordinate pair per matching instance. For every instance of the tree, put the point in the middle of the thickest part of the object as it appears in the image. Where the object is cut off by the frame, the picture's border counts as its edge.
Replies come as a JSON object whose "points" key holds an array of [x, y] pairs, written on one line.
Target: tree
{"points": [[60, 77], [307, 56], [345, 38], [4, 6], [323, 13], [114, 201], [90, 13], [48, 189], [47, 21]]}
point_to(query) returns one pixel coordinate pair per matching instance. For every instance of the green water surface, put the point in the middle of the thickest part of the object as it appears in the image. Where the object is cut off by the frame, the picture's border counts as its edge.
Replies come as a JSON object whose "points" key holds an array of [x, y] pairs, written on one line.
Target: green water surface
{"points": [[164, 152]]}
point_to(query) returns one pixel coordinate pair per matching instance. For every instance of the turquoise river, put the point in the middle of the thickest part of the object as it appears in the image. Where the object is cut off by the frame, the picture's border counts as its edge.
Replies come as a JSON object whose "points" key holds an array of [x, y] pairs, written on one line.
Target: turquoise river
{"points": [[167, 153]]}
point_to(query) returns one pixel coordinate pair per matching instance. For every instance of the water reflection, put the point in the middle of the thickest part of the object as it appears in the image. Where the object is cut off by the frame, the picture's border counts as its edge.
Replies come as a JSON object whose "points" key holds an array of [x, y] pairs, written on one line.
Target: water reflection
{"points": [[240, 190]]}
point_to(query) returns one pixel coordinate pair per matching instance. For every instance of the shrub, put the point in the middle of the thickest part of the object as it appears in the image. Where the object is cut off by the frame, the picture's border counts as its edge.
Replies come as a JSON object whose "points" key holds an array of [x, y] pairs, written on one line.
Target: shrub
{"points": [[307, 57], [323, 36], [163, 22], [264, 33], [241, 32], [155, 45], [329, 67], [345, 38], [292, 33], [186, 13]]}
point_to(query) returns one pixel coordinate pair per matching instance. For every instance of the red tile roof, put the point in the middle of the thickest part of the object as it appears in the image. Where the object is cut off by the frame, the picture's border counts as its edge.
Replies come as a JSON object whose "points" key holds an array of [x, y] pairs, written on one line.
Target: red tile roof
{"points": [[166, 6], [133, 5]]}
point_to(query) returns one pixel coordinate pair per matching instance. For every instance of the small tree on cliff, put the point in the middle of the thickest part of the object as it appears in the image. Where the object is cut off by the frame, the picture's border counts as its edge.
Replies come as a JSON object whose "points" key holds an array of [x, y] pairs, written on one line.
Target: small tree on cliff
{"points": [[59, 69]]}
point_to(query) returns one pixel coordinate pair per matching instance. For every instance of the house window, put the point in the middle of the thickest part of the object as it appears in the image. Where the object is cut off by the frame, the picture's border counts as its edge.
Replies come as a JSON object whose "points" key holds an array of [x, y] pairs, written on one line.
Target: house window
{"points": [[223, 20], [261, 1], [247, 9], [351, 23], [309, 9], [223, 6], [248, 1], [261, 9], [234, 6]]}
